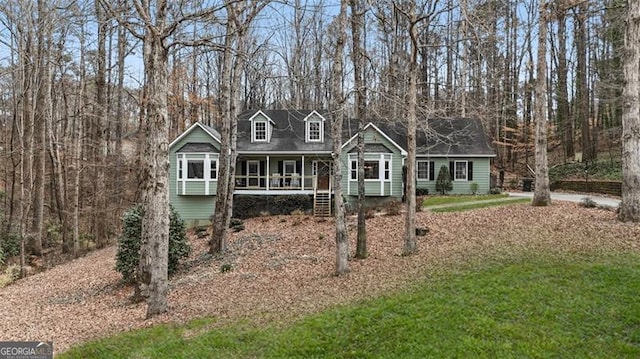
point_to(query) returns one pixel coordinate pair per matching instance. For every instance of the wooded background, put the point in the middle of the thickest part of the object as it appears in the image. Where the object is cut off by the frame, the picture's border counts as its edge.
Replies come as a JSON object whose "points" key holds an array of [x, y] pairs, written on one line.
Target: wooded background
{"points": [[72, 100]]}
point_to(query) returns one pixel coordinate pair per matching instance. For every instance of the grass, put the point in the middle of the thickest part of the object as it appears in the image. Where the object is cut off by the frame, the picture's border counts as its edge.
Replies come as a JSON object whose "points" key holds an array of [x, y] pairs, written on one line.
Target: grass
{"points": [[439, 200], [527, 305], [481, 204]]}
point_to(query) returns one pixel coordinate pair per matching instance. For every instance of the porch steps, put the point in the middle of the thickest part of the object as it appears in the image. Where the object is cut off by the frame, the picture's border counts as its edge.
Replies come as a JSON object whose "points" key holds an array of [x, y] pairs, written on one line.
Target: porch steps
{"points": [[322, 204]]}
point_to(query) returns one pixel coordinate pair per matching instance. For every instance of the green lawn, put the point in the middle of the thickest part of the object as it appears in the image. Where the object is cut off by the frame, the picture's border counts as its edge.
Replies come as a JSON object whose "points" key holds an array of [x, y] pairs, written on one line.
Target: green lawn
{"points": [[523, 306], [438, 200], [481, 204]]}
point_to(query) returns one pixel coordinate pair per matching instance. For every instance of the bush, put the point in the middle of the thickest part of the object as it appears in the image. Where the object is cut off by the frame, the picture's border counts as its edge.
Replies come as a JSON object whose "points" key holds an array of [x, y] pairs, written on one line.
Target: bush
{"points": [[247, 206], [588, 203], [495, 190], [422, 192], [10, 244], [443, 182], [128, 254], [473, 187]]}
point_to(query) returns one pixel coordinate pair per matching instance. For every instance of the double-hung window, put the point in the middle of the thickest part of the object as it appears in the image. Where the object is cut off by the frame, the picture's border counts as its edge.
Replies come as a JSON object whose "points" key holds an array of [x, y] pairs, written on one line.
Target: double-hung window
{"points": [[213, 174], [460, 171], [260, 131], [314, 131], [423, 170]]}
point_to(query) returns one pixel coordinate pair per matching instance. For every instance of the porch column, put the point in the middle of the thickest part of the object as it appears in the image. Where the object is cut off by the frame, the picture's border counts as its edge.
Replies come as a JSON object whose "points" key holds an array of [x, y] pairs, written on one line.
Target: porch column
{"points": [[266, 171], [302, 173]]}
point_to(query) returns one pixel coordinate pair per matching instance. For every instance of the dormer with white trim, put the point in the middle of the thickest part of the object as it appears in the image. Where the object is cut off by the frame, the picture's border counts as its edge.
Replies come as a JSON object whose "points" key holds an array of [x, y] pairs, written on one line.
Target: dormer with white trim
{"points": [[261, 127], [314, 125]]}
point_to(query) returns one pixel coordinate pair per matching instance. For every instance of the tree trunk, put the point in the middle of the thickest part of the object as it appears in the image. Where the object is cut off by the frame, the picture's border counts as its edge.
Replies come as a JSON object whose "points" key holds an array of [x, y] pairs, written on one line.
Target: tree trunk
{"points": [[564, 123], [100, 212], [582, 92], [630, 206], [152, 270], [337, 104], [542, 195], [219, 233], [358, 68], [410, 246]]}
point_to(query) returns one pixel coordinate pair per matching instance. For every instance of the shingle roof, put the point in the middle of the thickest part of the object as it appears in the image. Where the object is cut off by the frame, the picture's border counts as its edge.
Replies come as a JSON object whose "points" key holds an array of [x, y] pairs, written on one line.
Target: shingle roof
{"points": [[288, 132], [436, 136], [199, 147]]}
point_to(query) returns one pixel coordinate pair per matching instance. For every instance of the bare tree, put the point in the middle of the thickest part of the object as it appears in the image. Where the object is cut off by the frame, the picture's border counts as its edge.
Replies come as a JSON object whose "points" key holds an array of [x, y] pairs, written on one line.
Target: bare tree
{"points": [[630, 206], [337, 104], [410, 246], [154, 23], [582, 109], [239, 18], [357, 55], [542, 195]]}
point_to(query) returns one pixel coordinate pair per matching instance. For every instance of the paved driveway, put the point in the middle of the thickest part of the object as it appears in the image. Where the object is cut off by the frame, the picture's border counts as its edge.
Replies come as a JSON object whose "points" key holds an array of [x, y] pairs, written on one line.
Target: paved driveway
{"points": [[572, 197]]}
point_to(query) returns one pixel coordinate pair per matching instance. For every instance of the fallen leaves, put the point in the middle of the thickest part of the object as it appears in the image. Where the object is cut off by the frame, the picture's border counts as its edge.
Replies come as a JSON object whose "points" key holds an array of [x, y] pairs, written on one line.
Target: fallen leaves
{"points": [[282, 267]]}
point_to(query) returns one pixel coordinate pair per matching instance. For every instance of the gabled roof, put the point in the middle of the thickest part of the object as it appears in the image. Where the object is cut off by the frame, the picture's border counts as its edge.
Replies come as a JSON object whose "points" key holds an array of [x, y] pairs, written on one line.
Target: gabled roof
{"points": [[439, 137], [375, 128], [208, 129], [288, 133], [453, 137], [260, 112]]}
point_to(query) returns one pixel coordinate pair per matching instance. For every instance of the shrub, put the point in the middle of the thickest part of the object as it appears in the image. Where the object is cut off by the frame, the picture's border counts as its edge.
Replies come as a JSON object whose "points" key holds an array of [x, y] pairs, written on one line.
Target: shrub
{"points": [[128, 254], [588, 203], [443, 182], [247, 206], [226, 267], [495, 190], [473, 187], [10, 244], [422, 191]]}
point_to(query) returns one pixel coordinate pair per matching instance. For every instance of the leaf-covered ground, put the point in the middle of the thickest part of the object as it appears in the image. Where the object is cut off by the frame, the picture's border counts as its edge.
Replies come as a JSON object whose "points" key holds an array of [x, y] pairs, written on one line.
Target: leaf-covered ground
{"points": [[282, 267]]}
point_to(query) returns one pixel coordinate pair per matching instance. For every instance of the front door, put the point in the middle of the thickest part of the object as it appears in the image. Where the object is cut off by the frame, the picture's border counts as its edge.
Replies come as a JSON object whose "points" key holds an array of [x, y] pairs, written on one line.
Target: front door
{"points": [[323, 171]]}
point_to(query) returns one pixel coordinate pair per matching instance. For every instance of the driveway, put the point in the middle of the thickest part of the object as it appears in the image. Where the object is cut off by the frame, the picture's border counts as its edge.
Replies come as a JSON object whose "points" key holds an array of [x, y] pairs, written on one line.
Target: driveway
{"points": [[572, 197]]}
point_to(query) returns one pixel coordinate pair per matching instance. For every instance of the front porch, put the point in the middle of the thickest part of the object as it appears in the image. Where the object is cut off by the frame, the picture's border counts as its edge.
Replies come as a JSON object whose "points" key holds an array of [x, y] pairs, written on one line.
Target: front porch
{"points": [[279, 175], [287, 175]]}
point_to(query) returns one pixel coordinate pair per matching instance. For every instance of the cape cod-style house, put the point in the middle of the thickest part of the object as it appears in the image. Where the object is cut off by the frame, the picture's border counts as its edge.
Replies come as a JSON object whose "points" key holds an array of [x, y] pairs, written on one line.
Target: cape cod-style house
{"points": [[288, 152]]}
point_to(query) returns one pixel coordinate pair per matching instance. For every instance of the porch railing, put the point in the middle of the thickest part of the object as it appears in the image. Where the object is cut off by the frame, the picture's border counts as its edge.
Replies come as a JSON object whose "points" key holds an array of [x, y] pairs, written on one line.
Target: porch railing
{"points": [[275, 182]]}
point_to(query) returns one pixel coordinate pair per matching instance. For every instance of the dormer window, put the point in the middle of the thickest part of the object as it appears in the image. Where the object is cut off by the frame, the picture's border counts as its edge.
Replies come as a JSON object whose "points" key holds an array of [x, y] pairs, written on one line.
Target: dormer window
{"points": [[315, 131], [260, 131]]}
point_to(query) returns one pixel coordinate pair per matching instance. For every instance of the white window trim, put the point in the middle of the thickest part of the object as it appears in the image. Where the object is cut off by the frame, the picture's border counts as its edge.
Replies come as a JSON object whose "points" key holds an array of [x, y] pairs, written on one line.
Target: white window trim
{"points": [[254, 138], [383, 157], [182, 164], [418, 172], [320, 131], [466, 171]]}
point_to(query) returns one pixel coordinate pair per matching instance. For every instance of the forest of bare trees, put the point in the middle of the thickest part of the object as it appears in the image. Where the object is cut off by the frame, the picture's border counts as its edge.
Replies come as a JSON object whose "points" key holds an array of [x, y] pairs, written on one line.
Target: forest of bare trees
{"points": [[93, 91]]}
